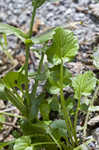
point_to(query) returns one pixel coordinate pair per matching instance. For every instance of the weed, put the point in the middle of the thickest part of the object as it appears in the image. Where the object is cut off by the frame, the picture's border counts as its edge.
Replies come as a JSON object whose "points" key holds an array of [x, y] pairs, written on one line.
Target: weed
{"points": [[45, 133]]}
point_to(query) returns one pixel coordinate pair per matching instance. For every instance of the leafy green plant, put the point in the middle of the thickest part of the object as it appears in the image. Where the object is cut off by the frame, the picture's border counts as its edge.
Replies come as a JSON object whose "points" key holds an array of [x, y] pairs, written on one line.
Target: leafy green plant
{"points": [[44, 132]]}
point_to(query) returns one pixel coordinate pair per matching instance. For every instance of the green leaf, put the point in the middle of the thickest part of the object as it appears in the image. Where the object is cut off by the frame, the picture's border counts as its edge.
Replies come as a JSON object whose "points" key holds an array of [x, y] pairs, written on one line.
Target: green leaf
{"points": [[64, 45], [6, 94], [7, 29], [14, 79], [45, 108], [2, 120], [96, 59], [23, 143], [44, 37], [35, 105], [16, 101], [54, 79], [58, 129], [83, 84], [43, 75], [94, 108], [2, 91], [30, 129], [3, 144], [54, 103], [69, 104], [84, 108]]}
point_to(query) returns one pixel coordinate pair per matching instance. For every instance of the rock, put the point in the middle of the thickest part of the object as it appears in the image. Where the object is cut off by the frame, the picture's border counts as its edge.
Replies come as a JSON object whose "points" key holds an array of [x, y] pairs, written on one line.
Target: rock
{"points": [[93, 121], [94, 9]]}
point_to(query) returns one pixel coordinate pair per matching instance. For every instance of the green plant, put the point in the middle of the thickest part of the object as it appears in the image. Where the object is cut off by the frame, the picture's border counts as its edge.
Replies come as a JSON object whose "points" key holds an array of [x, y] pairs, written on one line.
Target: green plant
{"points": [[4, 48], [47, 134]]}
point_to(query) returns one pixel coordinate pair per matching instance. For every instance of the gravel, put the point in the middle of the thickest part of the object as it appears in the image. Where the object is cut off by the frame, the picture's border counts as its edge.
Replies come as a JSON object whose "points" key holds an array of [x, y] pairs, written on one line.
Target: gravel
{"points": [[18, 13]]}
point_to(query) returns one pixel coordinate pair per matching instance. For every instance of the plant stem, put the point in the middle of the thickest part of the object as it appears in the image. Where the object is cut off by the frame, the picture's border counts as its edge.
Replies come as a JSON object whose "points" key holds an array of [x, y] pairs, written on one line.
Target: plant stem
{"points": [[32, 20], [26, 74], [75, 119], [27, 57], [12, 115], [66, 115], [88, 113]]}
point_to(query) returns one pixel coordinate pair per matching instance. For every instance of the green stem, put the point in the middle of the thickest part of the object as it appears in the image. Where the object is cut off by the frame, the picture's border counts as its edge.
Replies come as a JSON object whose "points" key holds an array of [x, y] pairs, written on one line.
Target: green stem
{"points": [[27, 57], [32, 20], [66, 115], [88, 113], [26, 74], [75, 120]]}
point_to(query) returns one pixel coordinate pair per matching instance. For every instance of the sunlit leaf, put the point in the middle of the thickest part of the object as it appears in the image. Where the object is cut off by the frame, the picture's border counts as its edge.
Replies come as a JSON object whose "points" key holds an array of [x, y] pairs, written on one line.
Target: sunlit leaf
{"points": [[64, 45], [23, 143], [94, 108], [83, 84], [9, 30]]}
